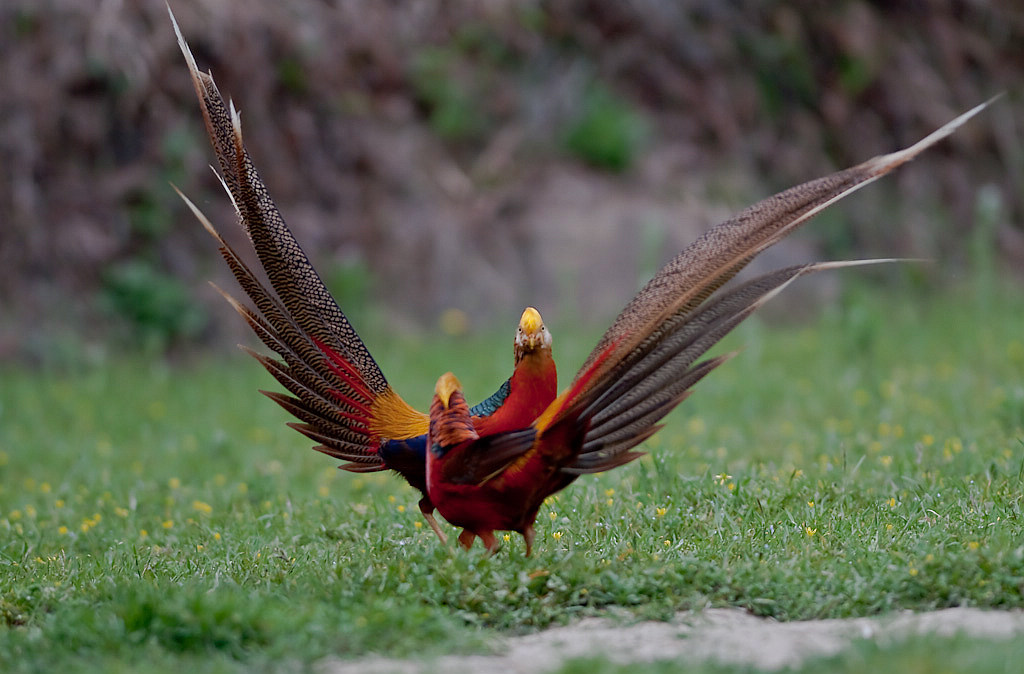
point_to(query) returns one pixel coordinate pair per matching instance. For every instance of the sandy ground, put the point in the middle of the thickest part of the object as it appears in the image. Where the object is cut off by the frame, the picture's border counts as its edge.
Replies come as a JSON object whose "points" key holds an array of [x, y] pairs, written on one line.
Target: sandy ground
{"points": [[729, 636]]}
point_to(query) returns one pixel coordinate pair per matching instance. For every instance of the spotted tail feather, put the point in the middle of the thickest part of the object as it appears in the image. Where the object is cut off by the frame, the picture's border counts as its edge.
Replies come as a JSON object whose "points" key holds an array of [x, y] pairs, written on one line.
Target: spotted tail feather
{"points": [[292, 277], [623, 406], [718, 255]]}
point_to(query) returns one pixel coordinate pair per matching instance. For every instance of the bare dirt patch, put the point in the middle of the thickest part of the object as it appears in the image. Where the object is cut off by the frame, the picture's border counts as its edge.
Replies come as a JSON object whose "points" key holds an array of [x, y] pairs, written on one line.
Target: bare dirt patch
{"points": [[730, 636]]}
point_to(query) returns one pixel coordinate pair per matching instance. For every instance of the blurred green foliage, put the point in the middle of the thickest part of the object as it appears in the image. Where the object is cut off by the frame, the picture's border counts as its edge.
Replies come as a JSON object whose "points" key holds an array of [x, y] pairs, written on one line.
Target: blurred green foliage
{"points": [[784, 70], [350, 281], [453, 104], [607, 132], [157, 307]]}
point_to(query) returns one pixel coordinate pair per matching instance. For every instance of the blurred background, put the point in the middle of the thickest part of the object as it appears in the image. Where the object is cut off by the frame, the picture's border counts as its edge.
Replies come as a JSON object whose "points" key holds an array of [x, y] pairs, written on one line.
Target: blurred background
{"points": [[446, 163]]}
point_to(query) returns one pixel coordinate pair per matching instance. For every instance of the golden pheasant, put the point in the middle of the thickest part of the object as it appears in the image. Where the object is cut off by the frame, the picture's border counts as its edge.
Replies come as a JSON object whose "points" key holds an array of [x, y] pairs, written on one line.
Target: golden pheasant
{"points": [[643, 366], [492, 465], [338, 392]]}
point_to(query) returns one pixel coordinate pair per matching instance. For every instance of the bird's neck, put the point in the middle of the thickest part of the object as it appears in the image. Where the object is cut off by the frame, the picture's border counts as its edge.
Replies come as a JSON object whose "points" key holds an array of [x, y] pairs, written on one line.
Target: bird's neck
{"points": [[532, 387], [450, 426]]}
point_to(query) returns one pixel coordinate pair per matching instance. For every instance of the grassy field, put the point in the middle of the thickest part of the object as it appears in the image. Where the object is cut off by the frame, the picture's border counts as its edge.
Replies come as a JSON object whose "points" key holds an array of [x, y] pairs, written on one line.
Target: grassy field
{"points": [[158, 517]]}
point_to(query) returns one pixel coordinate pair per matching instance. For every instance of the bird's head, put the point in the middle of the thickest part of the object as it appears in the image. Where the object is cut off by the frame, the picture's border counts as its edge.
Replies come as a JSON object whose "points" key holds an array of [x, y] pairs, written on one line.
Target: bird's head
{"points": [[531, 335], [447, 386], [450, 421]]}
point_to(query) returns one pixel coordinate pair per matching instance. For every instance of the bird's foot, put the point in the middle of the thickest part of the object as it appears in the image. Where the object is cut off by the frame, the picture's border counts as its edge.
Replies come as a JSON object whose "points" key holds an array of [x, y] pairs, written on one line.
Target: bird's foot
{"points": [[490, 542], [528, 535], [435, 526], [466, 538]]}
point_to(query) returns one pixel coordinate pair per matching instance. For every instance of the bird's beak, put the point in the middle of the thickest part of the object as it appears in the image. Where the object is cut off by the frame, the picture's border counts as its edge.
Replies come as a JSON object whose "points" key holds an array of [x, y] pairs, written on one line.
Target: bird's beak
{"points": [[531, 321], [531, 330], [446, 386]]}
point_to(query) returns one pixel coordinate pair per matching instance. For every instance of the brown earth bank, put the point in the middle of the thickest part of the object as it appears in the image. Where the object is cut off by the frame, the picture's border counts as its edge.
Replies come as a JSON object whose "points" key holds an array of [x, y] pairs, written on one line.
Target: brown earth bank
{"points": [[482, 155]]}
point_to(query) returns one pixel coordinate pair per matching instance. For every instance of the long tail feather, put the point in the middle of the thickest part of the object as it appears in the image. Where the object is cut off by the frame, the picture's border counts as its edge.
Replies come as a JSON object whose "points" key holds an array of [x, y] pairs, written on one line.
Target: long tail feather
{"points": [[714, 258], [337, 389], [624, 405], [291, 274]]}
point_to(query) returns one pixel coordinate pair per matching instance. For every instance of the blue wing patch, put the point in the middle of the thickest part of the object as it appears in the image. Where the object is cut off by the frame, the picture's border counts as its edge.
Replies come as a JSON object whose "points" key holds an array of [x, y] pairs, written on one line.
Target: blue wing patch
{"points": [[489, 406]]}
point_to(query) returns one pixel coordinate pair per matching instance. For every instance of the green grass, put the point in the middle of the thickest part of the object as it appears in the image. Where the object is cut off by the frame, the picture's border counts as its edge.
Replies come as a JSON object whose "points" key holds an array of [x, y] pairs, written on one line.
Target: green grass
{"points": [[160, 517]]}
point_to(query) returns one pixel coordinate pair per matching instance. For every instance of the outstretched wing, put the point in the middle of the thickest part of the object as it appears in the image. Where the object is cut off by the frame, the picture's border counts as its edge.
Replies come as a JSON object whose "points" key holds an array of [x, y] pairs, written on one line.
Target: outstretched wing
{"points": [[718, 255], [337, 389], [624, 410], [647, 361]]}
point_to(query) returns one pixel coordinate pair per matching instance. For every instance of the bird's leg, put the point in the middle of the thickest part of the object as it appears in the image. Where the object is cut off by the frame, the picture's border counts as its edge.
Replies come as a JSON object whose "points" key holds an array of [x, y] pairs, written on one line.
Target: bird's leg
{"points": [[528, 535], [490, 542], [466, 538], [427, 508]]}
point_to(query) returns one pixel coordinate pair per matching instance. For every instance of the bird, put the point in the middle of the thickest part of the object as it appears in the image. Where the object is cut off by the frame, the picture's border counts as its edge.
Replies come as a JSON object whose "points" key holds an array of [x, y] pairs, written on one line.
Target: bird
{"points": [[469, 458], [643, 366], [336, 389]]}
